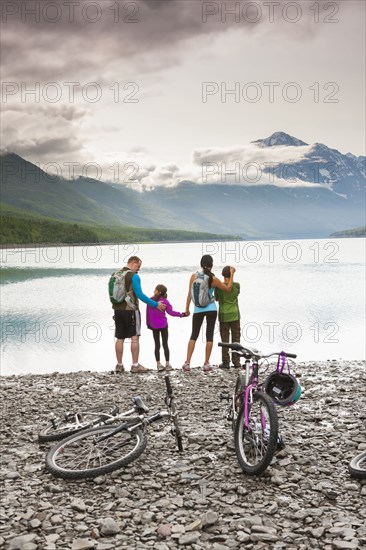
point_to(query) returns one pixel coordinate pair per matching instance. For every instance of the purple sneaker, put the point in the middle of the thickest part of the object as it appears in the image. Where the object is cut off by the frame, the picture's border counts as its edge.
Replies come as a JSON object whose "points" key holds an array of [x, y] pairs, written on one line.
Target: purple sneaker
{"points": [[186, 367]]}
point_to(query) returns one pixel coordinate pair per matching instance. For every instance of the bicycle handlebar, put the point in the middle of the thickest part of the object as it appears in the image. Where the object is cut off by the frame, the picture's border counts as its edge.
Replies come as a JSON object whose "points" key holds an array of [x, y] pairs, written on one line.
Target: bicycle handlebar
{"points": [[235, 346]]}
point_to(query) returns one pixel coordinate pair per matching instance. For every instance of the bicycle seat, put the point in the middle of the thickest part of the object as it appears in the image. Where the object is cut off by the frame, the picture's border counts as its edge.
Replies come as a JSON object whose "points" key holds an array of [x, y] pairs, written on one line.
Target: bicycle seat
{"points": [[245, 351], [140, 405]]}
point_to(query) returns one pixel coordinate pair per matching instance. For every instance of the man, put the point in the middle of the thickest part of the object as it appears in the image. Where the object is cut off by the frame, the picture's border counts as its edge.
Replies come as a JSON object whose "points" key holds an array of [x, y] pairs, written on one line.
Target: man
{"points": [[128, 320]]}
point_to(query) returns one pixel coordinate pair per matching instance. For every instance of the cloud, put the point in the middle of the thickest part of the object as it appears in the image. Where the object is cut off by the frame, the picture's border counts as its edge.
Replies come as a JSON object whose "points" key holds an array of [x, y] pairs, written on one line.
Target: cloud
{"points": [[43, 133], [249, 165], [90, 40]]}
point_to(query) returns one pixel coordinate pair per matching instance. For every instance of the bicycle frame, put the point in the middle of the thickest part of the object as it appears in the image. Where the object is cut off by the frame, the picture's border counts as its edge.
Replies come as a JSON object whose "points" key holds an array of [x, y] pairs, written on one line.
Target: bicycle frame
{"points": [[251, 383], [130, 427]]}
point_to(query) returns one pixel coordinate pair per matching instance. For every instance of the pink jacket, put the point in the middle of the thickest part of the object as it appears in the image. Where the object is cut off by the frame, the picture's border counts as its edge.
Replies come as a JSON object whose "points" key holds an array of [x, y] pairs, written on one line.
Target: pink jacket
{"points": [[156, 319]]}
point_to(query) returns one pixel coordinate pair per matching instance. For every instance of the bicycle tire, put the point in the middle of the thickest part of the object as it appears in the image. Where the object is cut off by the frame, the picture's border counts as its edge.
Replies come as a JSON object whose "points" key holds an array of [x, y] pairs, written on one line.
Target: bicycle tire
{"points": [[357, 466], [256, 446], [176, 431], [87, 418], [239, 388], [176, 427], [89, 453]]}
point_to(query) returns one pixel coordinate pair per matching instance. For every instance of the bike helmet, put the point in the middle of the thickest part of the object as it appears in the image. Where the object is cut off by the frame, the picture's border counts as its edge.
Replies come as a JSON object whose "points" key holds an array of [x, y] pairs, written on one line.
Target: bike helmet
{"points": [[282, 388]]}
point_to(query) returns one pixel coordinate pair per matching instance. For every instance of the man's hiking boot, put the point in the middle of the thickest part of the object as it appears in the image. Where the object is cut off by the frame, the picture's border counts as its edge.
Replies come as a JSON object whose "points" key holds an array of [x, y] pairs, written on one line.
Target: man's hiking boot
{"points": [[139, 368], [160, 367], [119, 369], [236, 365], [224, 366], [186, 367]]}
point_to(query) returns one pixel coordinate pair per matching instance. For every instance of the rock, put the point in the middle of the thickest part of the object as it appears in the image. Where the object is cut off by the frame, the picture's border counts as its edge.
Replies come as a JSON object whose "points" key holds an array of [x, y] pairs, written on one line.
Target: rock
{"points": [[78, 504], [318, 532], [34, 523], [209, 518], [109, 526], [344, 545], [82, 544], [17, 543], [264, 529], [147, 517], [178, 529], [164, 530], [194, 526], [188, 538]]}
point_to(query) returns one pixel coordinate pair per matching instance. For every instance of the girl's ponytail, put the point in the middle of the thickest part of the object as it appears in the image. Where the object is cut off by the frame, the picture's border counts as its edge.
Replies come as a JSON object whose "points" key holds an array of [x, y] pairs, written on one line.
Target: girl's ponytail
{"points": [[162, 292]]}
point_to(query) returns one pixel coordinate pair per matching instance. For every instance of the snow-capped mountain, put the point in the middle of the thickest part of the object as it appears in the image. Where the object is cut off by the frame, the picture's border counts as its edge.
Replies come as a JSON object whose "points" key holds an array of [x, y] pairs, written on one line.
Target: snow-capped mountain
{"points": [[279, 138], [343, 174]]}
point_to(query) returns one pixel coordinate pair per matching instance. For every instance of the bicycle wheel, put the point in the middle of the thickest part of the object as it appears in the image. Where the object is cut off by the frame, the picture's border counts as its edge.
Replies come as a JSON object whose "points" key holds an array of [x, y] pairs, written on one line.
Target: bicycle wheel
{"points": [[357, 466], [70, 423], [84, 455], [174, 414], [256, 445]]}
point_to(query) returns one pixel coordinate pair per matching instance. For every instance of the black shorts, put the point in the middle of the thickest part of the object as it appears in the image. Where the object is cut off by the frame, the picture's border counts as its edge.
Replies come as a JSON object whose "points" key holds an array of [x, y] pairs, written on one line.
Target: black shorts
{"points": [[127, 323]]}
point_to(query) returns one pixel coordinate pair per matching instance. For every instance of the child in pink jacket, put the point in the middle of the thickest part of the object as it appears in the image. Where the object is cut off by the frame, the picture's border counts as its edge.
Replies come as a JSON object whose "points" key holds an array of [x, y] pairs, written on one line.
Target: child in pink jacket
{"points": [[156, 320]]}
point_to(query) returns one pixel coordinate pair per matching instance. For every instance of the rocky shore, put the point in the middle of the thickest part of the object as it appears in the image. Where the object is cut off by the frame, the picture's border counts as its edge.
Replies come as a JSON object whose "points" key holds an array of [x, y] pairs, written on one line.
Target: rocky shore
{"points": [[199, 499]]}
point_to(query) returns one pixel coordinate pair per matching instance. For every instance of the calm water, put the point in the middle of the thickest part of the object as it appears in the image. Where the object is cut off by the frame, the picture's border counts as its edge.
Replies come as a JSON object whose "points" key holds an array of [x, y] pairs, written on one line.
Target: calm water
{"points": [[302, 296]]}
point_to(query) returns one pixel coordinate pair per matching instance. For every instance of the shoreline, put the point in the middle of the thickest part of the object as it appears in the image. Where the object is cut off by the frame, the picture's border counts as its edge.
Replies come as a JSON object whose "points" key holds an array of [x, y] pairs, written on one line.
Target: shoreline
{"points": [[120, 243], [153, 371], [198, 499]]}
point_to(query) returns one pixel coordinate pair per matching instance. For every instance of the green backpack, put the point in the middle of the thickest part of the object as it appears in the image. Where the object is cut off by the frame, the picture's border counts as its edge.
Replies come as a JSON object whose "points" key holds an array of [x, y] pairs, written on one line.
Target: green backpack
{"points": [[117, 289]]}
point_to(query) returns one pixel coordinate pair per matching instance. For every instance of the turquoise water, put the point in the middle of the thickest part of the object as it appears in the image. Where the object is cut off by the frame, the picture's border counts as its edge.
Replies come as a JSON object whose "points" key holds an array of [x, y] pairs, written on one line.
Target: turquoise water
{"points": [[306, 296]]}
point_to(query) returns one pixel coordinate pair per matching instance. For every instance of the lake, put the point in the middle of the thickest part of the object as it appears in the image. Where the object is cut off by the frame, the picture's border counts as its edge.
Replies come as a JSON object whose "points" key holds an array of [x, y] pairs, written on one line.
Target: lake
{"points": [[304, 296]]}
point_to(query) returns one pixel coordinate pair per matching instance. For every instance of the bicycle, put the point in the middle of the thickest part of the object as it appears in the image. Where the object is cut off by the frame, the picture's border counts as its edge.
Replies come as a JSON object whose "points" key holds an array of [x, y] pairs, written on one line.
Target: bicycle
{"points": [[357, 466], [104, 449], [252, 409], [60, 427]]}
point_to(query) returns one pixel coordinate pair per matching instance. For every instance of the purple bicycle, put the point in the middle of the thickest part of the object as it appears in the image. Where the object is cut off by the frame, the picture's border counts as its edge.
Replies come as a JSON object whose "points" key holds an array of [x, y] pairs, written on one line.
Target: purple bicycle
{"points": [[252, 407]]}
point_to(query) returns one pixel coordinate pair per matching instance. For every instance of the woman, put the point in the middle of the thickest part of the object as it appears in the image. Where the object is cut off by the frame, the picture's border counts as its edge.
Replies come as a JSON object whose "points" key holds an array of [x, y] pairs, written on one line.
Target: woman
{"points": [[208, 311]]}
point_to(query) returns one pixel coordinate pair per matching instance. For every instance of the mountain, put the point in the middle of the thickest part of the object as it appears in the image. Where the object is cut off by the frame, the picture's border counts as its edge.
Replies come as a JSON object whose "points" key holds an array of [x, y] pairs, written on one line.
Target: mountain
{"points": [[24, 185], [279, 138], [257, 211], [350, 233], [342, 174]]}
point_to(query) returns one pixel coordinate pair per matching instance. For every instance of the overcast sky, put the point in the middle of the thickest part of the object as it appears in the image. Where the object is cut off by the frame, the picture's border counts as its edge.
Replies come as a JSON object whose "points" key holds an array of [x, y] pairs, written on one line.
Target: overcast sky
{"points": [[146, 82]]}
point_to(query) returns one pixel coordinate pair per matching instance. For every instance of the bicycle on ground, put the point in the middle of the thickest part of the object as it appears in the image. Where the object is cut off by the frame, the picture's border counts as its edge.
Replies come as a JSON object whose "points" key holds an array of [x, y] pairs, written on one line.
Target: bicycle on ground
{"points": [[357, 466], [104, 449], [70, 422], [252, 409]]}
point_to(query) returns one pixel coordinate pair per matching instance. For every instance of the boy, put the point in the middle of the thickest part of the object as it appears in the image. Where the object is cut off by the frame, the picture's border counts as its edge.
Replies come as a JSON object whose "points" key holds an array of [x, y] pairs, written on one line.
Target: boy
{"points": [[229, 317]]}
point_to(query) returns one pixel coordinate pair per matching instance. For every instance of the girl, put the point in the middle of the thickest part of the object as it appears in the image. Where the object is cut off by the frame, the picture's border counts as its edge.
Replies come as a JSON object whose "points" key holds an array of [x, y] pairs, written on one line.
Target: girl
{"points": [[209, 311], [156, 320]]}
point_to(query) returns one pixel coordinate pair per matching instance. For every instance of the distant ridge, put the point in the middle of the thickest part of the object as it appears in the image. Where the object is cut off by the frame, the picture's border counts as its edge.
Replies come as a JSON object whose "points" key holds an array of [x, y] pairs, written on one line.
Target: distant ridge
{"points": [[249, 211]]}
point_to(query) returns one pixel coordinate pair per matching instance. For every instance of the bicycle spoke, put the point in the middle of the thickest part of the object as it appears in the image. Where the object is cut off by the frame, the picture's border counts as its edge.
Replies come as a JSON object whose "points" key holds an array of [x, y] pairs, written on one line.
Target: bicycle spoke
{"points": [[88, 453]]}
